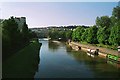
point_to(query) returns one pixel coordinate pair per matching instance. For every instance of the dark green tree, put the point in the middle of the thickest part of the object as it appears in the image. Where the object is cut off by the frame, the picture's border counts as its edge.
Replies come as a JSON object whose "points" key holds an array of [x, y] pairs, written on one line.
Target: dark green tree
{"points": [[10, 36], [116, 12], [13, 37], [103, 21], [103, 35], [114, 38], [92, 35], [25, 33], [74, 35], [69, 34], [78, 33], [85, 35], [53, 34]]}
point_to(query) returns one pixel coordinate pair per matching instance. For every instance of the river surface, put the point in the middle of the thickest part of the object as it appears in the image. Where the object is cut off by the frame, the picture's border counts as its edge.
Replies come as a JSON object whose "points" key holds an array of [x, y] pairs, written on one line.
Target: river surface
{"points": [[59, 61]]}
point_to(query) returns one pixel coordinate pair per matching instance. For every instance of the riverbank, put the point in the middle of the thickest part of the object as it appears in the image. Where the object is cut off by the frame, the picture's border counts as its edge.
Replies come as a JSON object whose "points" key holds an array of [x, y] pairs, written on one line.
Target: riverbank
{"points": [[24, 63], [103, 52]]}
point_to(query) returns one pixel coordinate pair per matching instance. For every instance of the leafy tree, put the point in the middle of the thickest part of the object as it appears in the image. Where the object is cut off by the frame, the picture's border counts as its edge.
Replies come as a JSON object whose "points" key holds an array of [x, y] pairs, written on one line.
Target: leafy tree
{"points": [[74, 35], [78, 33], [62, 35], [103, 35], [53, 34], [12, 38], [103, 21], [69, 34], [113, 21], [92, 37], [116, 12], [85, 35], [32, 34], [114, 38], [10, 30], [25, 33]]}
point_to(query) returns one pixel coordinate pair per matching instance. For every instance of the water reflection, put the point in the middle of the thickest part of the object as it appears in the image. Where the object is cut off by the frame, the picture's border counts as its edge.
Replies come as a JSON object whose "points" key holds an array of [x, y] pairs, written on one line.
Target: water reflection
{"points": [[67, 63], [98, 65], [117, 65], [53, 46]]}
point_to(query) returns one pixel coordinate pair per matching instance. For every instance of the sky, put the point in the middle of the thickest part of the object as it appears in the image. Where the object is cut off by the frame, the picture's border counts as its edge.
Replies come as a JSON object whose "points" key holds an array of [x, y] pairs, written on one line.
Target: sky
{"points": [[44, 14]]}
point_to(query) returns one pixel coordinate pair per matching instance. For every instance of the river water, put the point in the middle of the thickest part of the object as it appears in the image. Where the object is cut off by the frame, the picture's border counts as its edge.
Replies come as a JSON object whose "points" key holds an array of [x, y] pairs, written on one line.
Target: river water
{"points": [[59, 61]]}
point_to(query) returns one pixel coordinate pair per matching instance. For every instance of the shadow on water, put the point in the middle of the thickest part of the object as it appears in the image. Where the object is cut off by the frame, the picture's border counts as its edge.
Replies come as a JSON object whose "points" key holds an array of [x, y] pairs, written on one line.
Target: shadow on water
{"points": [[53, 46], [103, 68]]}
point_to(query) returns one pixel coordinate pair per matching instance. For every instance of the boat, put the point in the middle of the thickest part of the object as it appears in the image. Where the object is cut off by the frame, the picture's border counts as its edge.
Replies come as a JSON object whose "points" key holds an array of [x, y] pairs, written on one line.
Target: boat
{"points": [[113, 58], [92, 53]]}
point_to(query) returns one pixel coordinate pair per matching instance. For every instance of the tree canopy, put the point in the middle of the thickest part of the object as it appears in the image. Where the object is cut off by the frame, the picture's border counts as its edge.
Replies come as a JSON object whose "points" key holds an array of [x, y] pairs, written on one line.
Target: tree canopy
{"points": [[12, 38]]}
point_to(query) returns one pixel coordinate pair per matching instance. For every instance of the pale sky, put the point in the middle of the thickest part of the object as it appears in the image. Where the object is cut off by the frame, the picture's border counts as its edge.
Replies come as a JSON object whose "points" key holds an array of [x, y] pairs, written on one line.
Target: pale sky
{"points": [[39, 14]]}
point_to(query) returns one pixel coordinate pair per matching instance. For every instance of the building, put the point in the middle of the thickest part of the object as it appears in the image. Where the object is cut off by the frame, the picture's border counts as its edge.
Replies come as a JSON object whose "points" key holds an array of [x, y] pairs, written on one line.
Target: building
{"points": [[21, 21]]}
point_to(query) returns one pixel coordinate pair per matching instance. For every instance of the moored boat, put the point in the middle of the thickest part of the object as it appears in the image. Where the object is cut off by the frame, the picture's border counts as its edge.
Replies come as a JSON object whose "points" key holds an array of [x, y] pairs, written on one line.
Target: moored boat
{"points": [[92, 53]]}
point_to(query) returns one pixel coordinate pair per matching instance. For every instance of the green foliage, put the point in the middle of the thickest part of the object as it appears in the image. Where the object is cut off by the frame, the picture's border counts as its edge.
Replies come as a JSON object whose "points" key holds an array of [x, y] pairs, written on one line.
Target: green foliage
{"points": [[74, 35], [22, 64], [113, 21], [10, 35], [107, 31], [54, 34], [85, 35], [100, 35], [114, 38], [25, 33], [92, 37], [60, 34], [69, 34], [116, 12], [13, 37], [103, 21], [77, 33], [32, 34]]}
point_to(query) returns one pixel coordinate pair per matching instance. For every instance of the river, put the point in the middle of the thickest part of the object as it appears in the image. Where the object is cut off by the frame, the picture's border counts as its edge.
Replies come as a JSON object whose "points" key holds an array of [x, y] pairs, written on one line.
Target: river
{"points": [[59, 61]]}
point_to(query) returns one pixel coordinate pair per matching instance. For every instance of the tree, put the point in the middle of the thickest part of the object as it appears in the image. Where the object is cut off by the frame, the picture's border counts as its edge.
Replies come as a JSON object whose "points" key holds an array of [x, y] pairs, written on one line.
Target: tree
{"points": [[74, 35], [69, 34], [114, 38], [53, 34], [10, 36], [32, 34], [10, 30], [85, 35], [25, 33], [91, 36], [78, 33], [113, 21], [62, 35], [103, 35], [116, 12], [103, 21]]}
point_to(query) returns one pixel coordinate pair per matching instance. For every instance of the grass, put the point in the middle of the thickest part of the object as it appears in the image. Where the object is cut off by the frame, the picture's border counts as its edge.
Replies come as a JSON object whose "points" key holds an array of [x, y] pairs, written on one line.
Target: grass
{"points": [[101, 45], [24, 63], [107, 46]]}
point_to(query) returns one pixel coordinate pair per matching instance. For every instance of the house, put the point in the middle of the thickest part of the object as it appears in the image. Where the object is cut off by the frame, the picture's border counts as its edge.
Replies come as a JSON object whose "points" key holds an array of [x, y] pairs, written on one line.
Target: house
{"points": [[21, 21]]}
